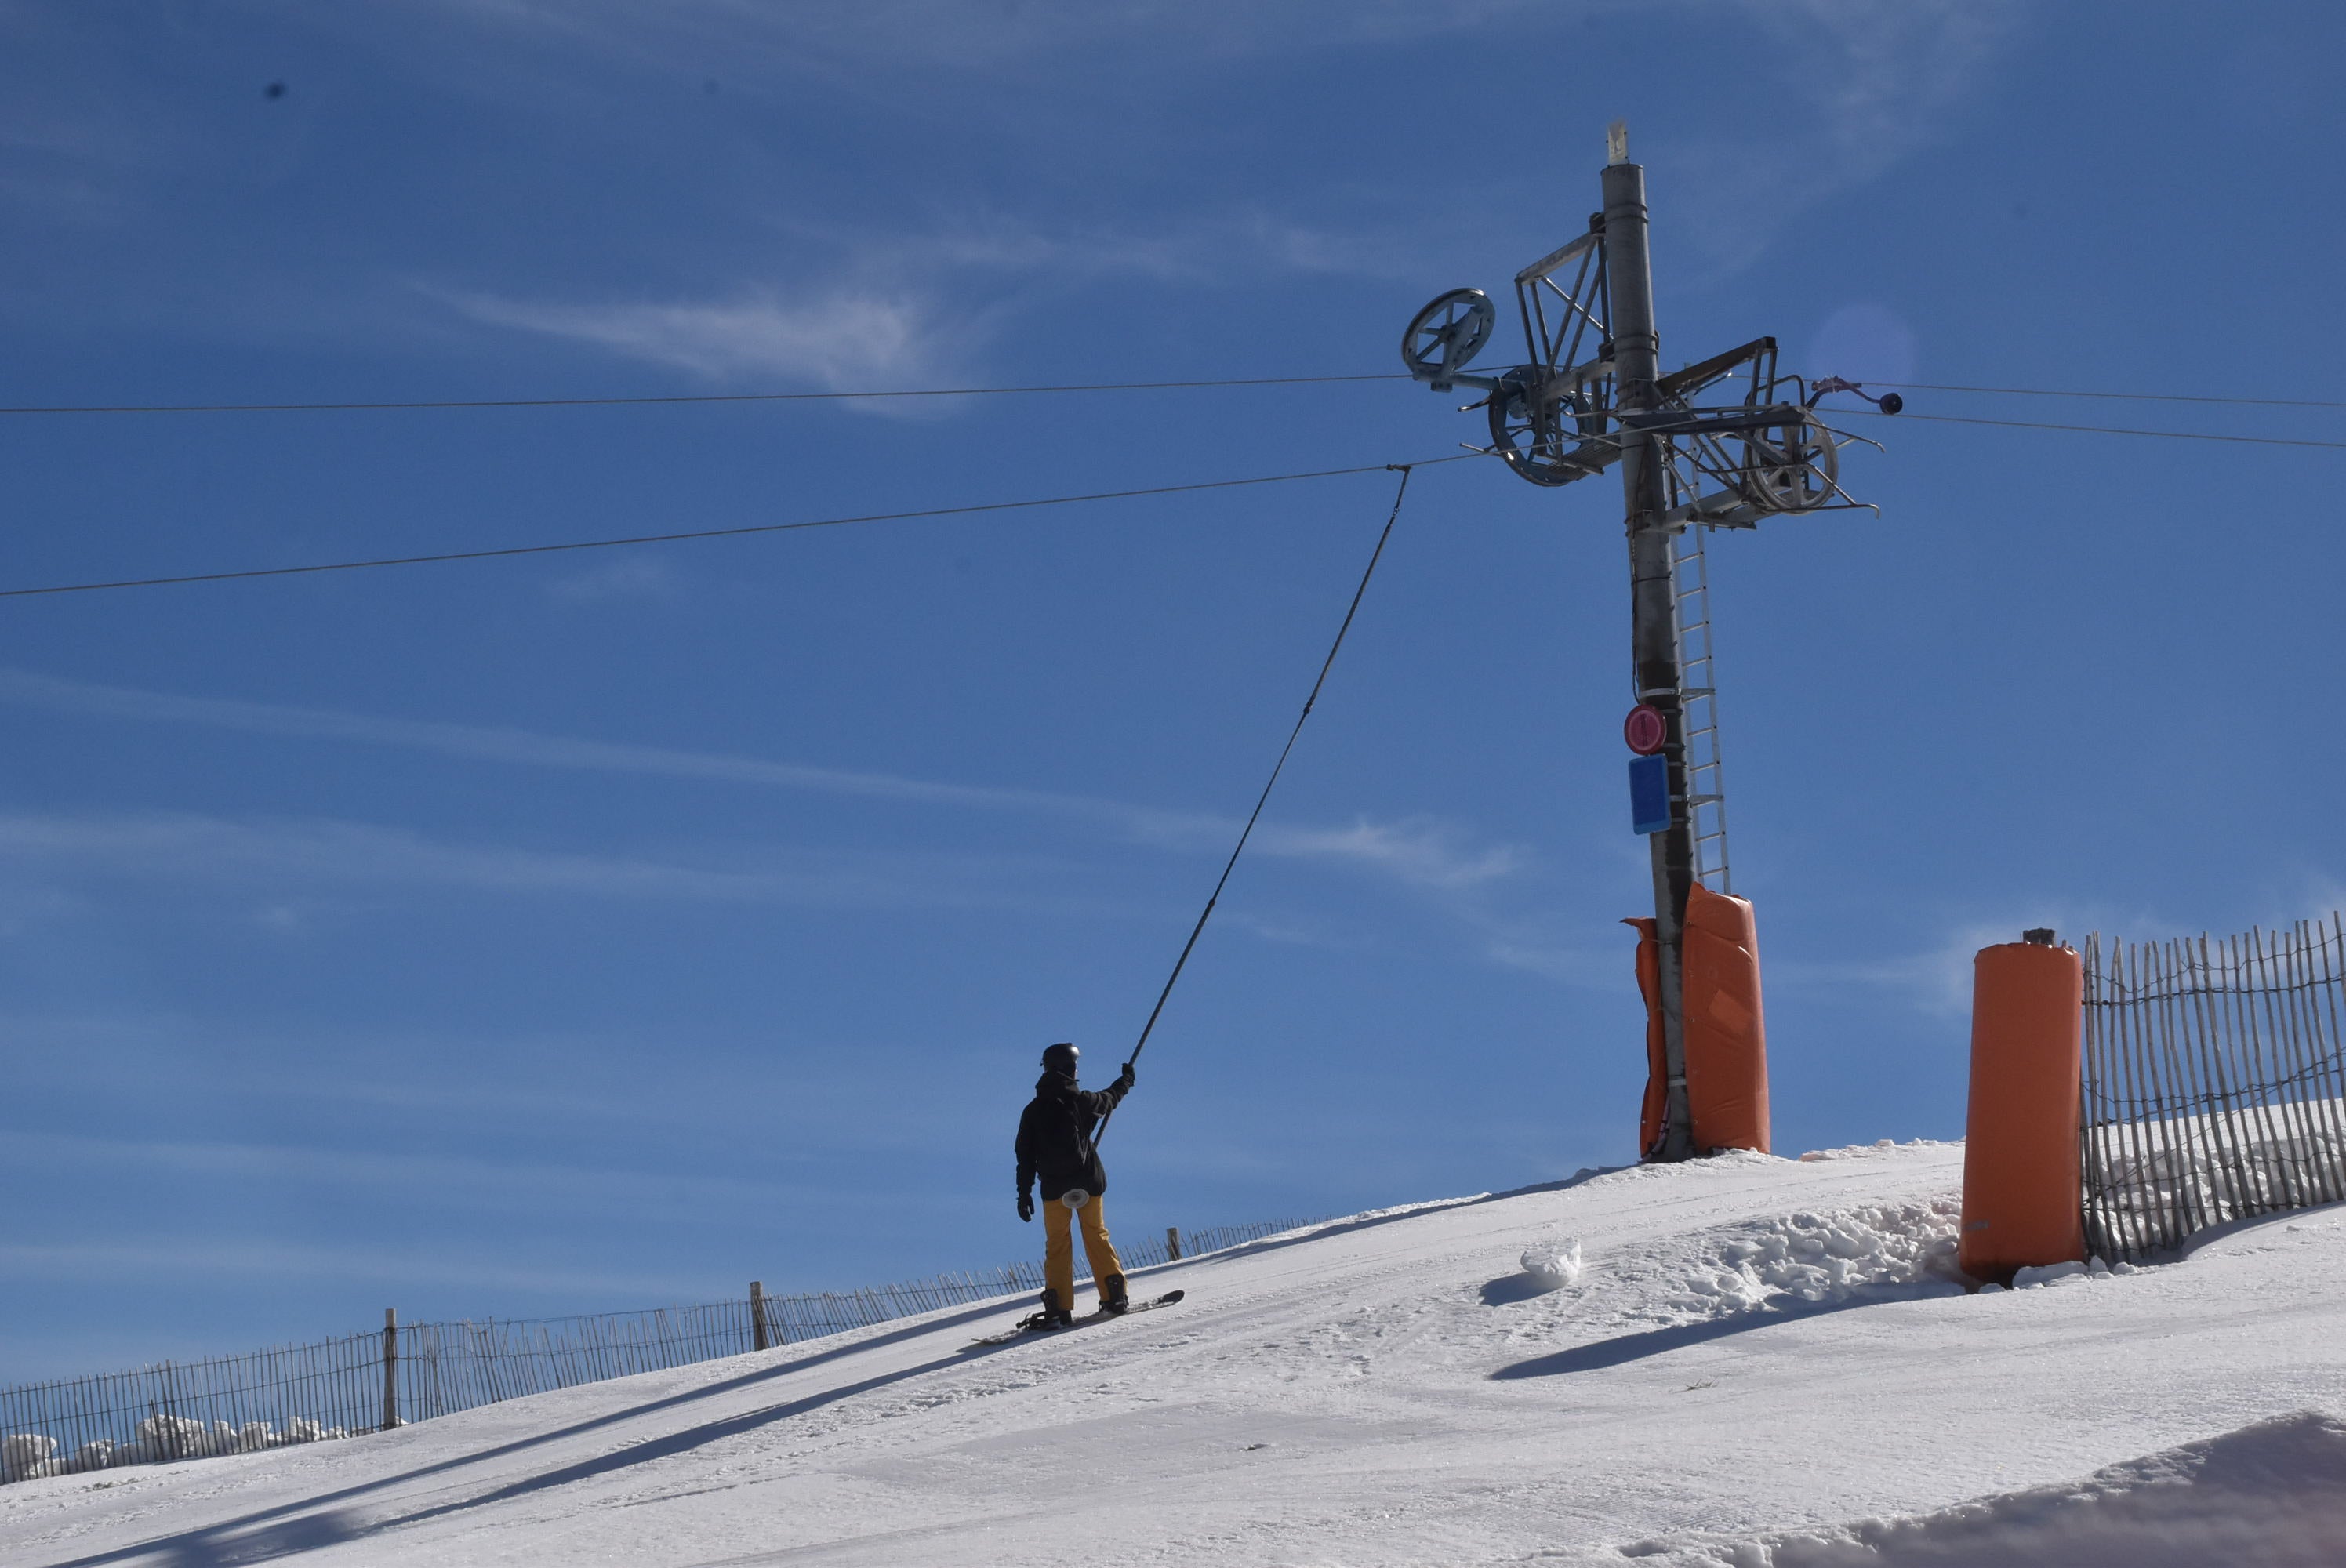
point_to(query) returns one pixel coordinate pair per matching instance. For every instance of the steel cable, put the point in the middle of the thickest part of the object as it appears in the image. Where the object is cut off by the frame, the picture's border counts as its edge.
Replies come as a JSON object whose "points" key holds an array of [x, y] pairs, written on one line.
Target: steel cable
{"points": [[2113, 396], [358, 407], [1264, 798], [716, 533], [2090, 429]]}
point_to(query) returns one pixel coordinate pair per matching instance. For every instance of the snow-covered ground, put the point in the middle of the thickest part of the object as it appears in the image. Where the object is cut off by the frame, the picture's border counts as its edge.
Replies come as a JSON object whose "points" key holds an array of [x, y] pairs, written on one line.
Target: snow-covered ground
{"points": [[1759, 1363]]}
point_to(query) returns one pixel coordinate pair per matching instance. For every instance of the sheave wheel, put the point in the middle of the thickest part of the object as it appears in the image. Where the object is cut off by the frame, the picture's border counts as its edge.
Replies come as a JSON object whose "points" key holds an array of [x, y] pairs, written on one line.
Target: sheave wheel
{"points": [[1790, 467], [1446, 334], [1538, 442]]}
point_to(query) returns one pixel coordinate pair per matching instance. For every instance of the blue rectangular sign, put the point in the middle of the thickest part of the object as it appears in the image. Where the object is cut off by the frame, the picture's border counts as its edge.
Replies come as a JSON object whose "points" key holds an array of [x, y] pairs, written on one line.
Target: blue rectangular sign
{"points": [[1650, 793]]}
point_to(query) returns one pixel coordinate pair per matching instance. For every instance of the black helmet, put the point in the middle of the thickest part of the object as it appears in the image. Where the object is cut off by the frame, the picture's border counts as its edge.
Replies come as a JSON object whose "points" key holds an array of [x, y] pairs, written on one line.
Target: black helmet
{"points": [[1061, 1058]]}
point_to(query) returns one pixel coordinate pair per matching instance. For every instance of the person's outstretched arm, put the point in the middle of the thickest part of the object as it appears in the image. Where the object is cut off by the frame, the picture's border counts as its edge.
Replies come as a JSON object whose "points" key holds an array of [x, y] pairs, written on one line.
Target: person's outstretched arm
{"points": [[1108, 1099]]}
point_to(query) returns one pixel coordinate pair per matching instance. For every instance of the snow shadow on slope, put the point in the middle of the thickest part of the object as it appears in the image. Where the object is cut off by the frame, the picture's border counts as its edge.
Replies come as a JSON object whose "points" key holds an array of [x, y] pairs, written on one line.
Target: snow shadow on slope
{"points": [[1509, 1289], [2272, 1494], [1626, 1347], [220, 1547], [289, 1529]]}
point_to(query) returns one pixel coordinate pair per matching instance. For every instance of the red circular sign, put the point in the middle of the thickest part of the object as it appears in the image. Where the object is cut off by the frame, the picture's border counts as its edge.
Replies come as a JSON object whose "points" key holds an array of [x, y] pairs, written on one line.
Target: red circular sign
{"points": [[1646, 729]]}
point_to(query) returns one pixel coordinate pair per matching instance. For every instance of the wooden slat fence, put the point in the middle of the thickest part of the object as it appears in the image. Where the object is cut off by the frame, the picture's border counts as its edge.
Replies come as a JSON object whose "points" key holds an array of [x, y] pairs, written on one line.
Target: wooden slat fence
{"points": [[337, 1388], [2214, 1083]]}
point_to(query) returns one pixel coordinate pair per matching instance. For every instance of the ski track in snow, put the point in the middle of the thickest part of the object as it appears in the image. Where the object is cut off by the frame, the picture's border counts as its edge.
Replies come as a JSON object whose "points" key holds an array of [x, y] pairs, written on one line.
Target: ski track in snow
{"points": [[1761, 1364]]}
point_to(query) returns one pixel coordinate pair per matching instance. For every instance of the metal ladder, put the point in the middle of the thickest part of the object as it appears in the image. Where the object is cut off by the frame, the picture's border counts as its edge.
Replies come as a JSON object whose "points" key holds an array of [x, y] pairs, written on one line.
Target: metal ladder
{"points": [[1698, 708]]}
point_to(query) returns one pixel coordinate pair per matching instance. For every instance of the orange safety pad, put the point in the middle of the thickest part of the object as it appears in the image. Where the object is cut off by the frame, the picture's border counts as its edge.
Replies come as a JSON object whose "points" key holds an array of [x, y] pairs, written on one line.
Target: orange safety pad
{"points": [[2024, 1178], [1725, 1029], [1649, 985]]}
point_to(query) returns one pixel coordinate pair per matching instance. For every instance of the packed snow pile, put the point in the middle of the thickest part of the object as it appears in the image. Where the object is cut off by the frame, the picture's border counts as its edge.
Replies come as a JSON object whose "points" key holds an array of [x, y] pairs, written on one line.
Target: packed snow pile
{"points": [[1759, 1363], [1803, 1261], [2272, 1494], [2043, 1275], [1874, 1149], [2215, 1166], [1552, 1264], [1873, 1251], [160, 1438]]}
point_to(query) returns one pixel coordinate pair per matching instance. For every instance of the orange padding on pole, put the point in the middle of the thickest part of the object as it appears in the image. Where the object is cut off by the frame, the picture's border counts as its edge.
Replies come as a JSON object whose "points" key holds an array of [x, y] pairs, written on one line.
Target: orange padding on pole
{"points": [[2024, 1180], [1649, 986], [1725, 1029]]}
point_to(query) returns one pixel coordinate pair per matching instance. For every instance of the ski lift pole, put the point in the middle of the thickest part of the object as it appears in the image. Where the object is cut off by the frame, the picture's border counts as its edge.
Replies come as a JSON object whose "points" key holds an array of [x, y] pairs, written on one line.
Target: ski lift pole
{"points": [[1264, 798], [1592, 395], [1653, 612]]}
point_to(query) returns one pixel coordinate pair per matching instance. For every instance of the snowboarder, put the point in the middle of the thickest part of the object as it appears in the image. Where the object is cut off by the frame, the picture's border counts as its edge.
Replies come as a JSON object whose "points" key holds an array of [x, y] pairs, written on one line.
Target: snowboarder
{"points": [[1054, 1144]]}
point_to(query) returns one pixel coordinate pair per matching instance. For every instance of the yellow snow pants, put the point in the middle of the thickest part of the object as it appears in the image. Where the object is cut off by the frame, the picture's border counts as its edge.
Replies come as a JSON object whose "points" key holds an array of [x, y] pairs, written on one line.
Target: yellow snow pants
{"points": [[1059, 1250]]}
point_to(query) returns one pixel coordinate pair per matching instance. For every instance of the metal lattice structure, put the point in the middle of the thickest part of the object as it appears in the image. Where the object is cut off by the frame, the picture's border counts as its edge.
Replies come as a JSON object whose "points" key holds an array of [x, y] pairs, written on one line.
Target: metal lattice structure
{"points": [[2214, 1083], [1558, 418]]}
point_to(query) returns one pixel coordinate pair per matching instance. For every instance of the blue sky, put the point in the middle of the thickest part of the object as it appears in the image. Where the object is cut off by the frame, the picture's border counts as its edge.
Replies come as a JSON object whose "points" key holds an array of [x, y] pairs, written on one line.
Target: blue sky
{"points": [[592, 931]]}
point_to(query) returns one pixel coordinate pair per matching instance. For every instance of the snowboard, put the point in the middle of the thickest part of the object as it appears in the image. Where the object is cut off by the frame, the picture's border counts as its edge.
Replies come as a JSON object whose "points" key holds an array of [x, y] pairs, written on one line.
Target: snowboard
{"points": [[1034, 1325]]}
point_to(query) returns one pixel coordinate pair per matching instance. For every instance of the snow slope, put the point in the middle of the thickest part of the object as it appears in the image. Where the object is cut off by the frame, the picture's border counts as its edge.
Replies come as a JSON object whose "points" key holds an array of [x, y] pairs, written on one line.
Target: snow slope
{"points": [[1759, 1364]]}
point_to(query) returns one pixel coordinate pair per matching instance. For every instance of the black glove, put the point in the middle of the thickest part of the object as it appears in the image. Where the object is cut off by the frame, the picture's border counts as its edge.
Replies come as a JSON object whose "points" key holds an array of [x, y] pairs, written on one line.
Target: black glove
{"points": [[1123, 1080], [1026, 1206]]}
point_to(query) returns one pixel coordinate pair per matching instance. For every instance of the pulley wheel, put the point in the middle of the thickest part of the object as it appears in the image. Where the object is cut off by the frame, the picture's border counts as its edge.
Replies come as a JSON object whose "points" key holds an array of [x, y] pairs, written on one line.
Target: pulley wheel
{"points": [[1539, 441], [1791, 467], [1446, 334]]}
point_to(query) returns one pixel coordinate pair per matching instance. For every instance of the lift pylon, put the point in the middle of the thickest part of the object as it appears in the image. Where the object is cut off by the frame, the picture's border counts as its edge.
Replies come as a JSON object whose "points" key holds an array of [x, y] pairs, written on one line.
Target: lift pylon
{"points": [[1726, 443]]}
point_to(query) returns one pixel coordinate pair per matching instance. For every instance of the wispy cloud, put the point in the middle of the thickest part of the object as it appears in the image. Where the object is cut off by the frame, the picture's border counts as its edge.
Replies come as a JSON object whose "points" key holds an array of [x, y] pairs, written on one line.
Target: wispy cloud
{"points": [[1859, 85], [526, 748], [953, 33], [272, 857], [458, 1082], [842, 342], [1937, 979], [1533, 949], [1292, 930], [636, 577], [849, 339], [1875, 82], [1419, 852], [1198, 247], [245, 1259], [472, 1181]]}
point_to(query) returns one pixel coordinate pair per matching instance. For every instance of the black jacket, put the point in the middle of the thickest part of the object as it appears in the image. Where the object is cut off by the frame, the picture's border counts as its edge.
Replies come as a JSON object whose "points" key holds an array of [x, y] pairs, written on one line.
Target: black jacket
{"points": [[1055, 1135]]}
